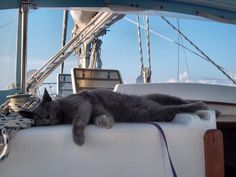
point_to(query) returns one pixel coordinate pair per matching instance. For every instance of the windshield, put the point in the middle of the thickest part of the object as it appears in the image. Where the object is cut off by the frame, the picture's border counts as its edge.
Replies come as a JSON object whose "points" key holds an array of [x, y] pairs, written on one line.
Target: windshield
{"points": [[8, 32], [120, 48]]}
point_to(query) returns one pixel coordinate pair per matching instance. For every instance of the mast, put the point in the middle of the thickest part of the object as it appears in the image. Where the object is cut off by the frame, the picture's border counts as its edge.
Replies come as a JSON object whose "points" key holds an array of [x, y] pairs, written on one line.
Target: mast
{"points": [[22, 45], [18, 51]]}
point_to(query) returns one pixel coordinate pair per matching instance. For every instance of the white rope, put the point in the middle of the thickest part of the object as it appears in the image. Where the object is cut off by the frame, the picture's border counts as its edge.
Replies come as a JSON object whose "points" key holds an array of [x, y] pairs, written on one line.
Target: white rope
{"points": [[148, 42], [145, 71], [95, 54], [140, 43], [9, 125]]}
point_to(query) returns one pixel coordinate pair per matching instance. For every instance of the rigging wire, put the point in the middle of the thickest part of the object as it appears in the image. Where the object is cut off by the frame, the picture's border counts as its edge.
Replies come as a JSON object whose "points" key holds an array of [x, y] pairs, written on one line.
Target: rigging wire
{"points": [[186, 48], [8, 23], [178, 51], [13, 20], [199, 50], [166, 38], [185, 57], [186, 61]]}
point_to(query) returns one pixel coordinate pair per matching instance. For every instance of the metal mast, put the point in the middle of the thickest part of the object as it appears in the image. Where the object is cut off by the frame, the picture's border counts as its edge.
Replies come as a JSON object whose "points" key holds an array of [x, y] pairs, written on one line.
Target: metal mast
{"points": [[22, 49]]}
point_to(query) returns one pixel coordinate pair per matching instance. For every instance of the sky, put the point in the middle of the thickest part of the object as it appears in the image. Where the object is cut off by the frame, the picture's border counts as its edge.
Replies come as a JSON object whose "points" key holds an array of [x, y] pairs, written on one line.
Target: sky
{"points": [[120, 47]]}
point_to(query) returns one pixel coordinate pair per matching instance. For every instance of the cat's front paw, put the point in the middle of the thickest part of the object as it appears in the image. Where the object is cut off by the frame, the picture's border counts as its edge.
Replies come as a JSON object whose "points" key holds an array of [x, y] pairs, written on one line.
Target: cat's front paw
{"points": [[78, 137], [104, 121], [79, 140]]}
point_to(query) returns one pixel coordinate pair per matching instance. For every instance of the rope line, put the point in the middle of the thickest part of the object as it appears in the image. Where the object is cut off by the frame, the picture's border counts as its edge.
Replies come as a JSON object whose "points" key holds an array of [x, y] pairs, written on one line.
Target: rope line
{"points": [[13, 122], [148, 42], [140, 43], [145, 71]]}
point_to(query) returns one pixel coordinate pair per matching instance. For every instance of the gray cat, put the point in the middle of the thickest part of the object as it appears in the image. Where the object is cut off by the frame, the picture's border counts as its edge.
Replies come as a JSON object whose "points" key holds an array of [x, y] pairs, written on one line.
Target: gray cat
{"points": [[103, 107]]}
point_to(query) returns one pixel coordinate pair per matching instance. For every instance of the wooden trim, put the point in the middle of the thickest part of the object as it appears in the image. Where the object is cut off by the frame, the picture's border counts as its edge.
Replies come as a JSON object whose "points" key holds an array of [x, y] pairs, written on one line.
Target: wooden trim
{"points": [[214, 153], [226, 125]]}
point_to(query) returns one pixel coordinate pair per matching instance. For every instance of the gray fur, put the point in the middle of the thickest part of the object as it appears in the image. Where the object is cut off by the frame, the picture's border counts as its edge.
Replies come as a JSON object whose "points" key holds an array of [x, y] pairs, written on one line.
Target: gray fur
{"points": [[103, 108]]}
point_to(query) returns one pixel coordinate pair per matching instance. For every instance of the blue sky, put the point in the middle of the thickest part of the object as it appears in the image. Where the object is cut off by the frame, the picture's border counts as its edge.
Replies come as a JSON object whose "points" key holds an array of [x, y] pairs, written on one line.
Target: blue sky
{"points": [[120, 46]]}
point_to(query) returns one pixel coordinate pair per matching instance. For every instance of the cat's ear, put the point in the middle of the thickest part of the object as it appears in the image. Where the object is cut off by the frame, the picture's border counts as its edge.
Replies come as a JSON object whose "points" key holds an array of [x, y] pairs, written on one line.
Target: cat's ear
{"points": [[27, 114], [46, 96]]}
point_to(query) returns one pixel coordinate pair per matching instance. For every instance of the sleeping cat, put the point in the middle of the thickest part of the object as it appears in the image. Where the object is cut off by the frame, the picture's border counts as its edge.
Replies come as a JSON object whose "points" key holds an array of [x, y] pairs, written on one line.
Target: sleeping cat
{"points": [[103, 107]]}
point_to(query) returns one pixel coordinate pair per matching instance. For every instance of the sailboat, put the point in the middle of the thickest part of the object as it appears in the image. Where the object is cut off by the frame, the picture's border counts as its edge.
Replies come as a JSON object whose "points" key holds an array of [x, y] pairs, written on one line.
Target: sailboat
{"points": [[191, 145]]}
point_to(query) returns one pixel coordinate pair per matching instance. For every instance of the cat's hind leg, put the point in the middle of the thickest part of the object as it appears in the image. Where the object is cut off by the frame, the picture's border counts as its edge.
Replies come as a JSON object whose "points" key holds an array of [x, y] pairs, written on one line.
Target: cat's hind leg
{"points": [[167, 113], [102, 118]]}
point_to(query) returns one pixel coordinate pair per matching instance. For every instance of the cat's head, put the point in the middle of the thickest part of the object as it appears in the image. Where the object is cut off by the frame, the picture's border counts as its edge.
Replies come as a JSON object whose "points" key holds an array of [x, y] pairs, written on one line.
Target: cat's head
{"points": [[43, 114]]}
